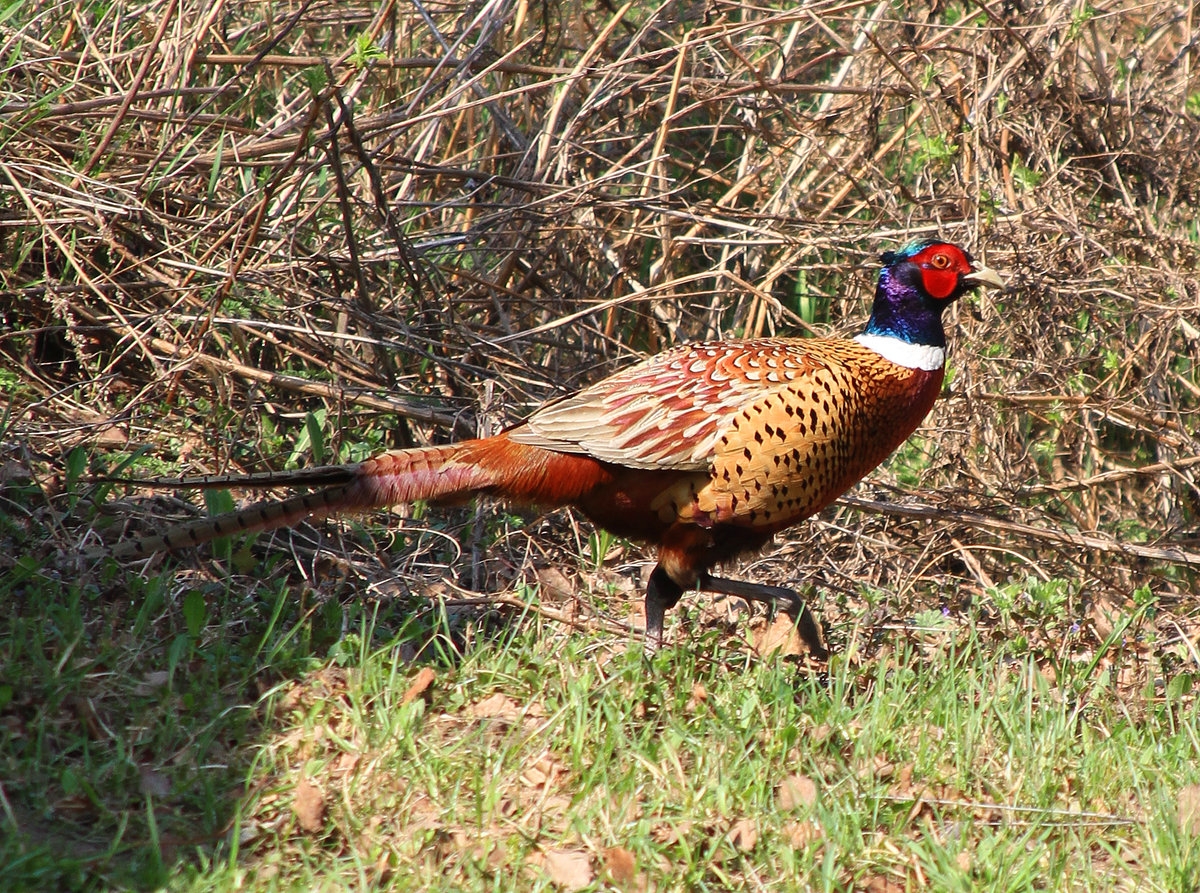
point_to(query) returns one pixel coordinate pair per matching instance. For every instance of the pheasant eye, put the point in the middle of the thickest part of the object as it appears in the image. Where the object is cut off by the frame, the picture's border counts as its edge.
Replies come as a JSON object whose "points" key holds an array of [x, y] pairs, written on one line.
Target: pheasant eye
{"points": [[940, 262]]}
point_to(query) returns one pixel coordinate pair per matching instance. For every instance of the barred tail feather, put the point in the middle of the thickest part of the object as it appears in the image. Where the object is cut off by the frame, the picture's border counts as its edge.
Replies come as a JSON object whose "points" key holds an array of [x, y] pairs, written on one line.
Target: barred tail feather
{"points": [[495, 466], [263, 516], [393, 478], [317, 476]]}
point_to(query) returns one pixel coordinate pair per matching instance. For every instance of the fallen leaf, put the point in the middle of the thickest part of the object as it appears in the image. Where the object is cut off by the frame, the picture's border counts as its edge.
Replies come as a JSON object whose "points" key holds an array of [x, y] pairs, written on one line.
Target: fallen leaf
{"points": [[570, 869], [309, 806], [880, 884], [497, 706], [778, 635], [553, 584], [151, 682], [1105, 611], [292, 698], [76, 808], [344, 764], [1189, 809], [111, 437], [621, 866], [699, 696], [419, 686], [543, 773], [801, 834], [903, 785], [507, 808], [669, 834], [14, 471], [547, 815], [743, 835], [796, 792]]}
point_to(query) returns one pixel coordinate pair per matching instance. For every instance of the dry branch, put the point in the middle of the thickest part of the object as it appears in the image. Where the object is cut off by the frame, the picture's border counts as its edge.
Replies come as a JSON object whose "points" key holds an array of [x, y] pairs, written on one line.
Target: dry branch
{"points": [[402, 207]]}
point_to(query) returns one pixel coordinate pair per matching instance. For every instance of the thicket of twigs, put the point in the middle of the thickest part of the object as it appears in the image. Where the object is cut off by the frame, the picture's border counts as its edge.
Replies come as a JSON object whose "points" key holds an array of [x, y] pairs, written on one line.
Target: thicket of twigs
{"points": [[424, 219]]}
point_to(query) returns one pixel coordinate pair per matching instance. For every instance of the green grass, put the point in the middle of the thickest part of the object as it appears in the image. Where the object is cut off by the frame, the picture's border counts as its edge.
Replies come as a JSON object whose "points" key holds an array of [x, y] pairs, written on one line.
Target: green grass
{"points": [[1002, 712], [168, 736]]}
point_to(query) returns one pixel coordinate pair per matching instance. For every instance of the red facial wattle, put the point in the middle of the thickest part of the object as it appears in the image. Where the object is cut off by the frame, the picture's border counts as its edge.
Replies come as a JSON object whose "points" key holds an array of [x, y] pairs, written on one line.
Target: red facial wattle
{"points": [[941, 266], [939, 284]]}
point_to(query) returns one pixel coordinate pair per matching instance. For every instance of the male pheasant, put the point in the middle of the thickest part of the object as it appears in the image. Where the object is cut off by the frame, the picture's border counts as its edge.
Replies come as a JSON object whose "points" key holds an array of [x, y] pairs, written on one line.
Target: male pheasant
{"points": [[705, 450]]}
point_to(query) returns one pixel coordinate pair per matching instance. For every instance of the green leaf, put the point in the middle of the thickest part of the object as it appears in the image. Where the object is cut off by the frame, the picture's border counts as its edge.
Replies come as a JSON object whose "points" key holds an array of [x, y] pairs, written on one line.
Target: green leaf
{"points": [[218, 501], [316, 437], [1180, 685], [195, 612], [179, 649]]}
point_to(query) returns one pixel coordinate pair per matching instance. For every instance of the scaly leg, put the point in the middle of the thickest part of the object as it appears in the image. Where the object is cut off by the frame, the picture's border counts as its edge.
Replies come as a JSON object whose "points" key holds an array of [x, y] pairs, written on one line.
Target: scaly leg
{"points": [[662, 593], [806, 623]]}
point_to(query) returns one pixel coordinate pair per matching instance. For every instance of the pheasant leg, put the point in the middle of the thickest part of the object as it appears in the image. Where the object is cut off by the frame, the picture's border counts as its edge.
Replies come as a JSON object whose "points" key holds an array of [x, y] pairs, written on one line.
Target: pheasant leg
{"points": [[662, 593], [806, 622]]}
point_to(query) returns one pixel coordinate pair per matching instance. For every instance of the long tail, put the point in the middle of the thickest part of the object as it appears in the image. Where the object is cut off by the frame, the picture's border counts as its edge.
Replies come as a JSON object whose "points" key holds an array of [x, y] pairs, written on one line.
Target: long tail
{"points": [[495, 465], [384, 480]]}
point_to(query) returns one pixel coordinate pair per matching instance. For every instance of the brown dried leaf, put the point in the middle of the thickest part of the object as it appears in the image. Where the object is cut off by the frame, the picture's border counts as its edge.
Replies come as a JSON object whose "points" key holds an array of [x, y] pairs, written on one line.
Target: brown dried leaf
{"points": [[420, 685], [152, 682], [344, 764], [884, 768], [621, 867], [554, 584], [77, 807], [1105, 610], [903, 785], [309, 806], [14, 471], [795, 792], [778, 635], [1189, 809], [671, 834], [292, 698], [497, 706], [553, 812], [543, 772], [801, 834], [111, 436], [153, 783], [743, 835], [570, 869]]}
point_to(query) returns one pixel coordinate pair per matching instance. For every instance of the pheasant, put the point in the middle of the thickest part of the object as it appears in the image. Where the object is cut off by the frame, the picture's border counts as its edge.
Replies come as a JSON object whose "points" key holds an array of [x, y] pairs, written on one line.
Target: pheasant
{"points": [[705, 450]]}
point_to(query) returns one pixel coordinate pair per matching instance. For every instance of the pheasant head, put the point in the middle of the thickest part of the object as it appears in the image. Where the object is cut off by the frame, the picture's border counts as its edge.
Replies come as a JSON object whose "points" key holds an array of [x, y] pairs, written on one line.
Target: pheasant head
{"points": [[917, 283]]}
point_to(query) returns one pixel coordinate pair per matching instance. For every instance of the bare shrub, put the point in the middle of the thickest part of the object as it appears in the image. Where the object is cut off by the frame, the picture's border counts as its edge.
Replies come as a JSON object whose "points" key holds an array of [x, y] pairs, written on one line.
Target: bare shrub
{"points": [[425, 220]]}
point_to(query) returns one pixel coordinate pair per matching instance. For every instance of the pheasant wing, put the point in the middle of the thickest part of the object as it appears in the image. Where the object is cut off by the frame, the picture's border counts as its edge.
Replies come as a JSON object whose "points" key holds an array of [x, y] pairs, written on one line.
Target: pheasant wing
{"points": [[670, 411]]}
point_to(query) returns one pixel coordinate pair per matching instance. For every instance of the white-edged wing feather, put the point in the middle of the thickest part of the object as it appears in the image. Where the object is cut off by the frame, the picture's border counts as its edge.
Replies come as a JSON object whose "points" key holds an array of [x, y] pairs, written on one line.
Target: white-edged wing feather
{"points": [[670, 411]]}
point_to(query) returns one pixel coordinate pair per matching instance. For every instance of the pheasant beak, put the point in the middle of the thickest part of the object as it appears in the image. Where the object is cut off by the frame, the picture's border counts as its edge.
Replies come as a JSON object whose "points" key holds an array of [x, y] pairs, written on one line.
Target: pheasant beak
{"points": [[985, 276]]}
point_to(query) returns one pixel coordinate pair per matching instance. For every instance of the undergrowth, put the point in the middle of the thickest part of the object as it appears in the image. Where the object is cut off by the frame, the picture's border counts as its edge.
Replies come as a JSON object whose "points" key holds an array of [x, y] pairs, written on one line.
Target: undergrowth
{"points": [[239, 237]]}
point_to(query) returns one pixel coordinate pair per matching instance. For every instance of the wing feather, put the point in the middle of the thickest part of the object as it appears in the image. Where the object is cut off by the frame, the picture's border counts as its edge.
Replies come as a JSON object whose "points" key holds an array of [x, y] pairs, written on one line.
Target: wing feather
{"points": [[670, 411]]}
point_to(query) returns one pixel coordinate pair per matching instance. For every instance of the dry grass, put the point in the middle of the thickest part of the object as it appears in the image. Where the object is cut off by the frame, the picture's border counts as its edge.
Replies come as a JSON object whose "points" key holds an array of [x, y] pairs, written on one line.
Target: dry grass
{"points": [[413, 222], [266, 216], [440, 222]]}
